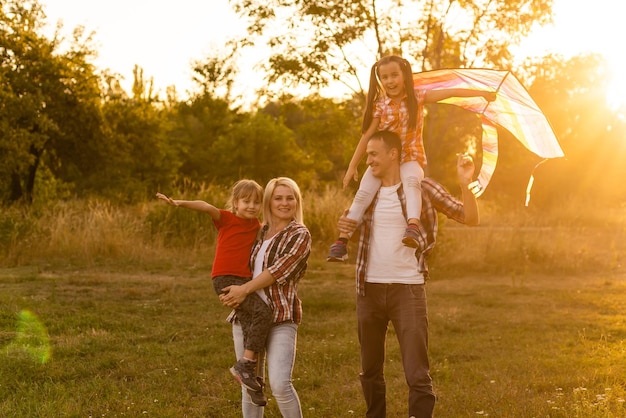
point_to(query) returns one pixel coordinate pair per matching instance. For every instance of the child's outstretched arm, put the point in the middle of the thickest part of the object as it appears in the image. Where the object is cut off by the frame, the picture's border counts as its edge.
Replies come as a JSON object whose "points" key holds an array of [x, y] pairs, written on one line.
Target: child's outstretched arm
{"points": [[197, 205], [359, 152], [433, 96]]}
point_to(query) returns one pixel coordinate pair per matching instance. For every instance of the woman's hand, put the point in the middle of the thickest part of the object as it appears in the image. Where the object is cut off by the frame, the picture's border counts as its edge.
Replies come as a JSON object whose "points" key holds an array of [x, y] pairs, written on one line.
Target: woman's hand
{"points": [[232, 296]]}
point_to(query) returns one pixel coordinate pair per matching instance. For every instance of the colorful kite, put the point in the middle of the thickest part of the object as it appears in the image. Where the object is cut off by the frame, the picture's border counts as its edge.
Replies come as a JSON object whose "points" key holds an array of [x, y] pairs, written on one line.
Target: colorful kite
{"points": [[513, 110]]}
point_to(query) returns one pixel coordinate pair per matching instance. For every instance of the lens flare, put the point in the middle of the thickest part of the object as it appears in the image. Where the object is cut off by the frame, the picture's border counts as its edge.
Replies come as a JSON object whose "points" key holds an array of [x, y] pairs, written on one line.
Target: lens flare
{"points": [[32, 338]]}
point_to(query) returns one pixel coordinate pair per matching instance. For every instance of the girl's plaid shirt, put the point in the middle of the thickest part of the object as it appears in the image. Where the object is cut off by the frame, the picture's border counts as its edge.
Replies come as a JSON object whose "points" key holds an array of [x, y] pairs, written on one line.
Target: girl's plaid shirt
{"points": [[286, 259], [394, 116], [435, 198]]}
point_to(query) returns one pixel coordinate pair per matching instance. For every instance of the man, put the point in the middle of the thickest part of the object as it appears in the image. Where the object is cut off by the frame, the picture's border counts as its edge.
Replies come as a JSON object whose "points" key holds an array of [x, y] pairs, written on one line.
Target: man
{"points": [[391, 277]]}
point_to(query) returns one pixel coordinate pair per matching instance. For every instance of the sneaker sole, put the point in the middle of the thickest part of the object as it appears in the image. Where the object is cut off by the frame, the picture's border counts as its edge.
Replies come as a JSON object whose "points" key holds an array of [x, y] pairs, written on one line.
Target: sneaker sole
{"points": [[238, 379], [257, 403], [341, 259]]}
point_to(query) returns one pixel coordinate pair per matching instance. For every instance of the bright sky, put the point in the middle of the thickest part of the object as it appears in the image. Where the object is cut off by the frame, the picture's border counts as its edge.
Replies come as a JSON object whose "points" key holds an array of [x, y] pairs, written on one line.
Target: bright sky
{"points": [[165, 37], [161, 37]]}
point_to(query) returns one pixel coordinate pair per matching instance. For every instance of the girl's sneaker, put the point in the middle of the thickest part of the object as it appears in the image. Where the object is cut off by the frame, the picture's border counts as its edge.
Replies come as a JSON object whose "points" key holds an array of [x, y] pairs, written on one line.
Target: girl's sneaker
{"points": [[411, 236], [257, 396], [245, 373], [338, 252]]}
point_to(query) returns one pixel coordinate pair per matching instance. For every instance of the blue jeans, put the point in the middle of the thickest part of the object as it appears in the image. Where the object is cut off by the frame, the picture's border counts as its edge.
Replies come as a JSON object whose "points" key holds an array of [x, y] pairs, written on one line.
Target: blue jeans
{"points": [[405, 306], [280, 356]]}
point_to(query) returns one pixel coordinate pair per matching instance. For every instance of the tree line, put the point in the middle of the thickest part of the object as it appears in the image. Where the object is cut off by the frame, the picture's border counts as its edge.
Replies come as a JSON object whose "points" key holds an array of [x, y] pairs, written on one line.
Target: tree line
{"points": [[67, 128]]}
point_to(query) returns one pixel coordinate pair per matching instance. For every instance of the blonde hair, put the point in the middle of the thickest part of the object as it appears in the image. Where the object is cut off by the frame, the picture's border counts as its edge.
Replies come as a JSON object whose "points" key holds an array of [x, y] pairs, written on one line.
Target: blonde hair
{"points": [[242, 189], [269, 191]]}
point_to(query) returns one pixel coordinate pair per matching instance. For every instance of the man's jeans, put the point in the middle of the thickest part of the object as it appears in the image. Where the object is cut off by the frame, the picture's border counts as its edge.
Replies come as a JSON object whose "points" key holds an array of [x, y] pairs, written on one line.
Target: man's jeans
{"points": [[280, 356], [405, 306]]}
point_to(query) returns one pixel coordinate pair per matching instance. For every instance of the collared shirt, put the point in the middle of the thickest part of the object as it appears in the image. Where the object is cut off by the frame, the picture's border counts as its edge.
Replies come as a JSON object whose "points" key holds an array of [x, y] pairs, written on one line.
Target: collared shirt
{"points": [[394, 116], [286, 259], [435, 198]]}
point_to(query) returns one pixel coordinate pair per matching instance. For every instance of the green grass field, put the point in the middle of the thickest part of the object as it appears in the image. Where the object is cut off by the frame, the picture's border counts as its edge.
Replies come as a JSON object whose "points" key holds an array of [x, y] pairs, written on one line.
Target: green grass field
{"points": [[109, 311], [98, 343]]}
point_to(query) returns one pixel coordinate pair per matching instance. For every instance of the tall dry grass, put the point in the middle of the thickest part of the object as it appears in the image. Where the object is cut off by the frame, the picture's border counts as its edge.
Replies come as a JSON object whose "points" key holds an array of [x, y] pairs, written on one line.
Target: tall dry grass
{"points": [[154, 236]]}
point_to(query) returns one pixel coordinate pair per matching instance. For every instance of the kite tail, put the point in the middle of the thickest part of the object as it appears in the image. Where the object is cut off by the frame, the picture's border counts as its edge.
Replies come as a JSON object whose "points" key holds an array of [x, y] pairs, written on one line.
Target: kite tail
{"points": [[490, 156], [531, 181]]}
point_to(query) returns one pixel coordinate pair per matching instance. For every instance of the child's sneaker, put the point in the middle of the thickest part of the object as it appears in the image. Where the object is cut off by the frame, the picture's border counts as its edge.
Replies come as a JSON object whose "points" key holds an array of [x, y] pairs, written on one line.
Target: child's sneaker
{"points": [[411, 237], [338, 252], [245, 373], [257, 396]]}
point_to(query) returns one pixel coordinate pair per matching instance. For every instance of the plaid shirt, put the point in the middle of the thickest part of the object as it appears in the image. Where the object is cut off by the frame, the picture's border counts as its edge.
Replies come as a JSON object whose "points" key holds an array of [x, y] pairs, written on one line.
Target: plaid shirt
{"points": [[435, 198], [394, 116], [286, 259]]}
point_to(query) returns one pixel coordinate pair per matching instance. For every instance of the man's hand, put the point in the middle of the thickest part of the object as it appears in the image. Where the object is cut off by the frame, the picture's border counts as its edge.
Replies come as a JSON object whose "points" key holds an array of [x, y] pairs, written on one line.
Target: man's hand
{"points": [[465, 169], [346, 225]]}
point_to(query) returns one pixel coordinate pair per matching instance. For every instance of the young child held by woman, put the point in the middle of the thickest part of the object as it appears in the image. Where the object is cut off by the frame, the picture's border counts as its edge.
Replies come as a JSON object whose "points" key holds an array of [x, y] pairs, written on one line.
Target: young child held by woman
{"points": [[237, 230]]}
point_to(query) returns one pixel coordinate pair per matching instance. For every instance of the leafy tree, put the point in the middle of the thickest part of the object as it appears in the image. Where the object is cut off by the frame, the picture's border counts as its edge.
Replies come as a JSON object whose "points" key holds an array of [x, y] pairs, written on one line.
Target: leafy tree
{"points": [[259, 147], [216, 75], [138, 156], [449, 130], [49, 112], [332, 42], [325, 41], [325, 130], [195, 127]]}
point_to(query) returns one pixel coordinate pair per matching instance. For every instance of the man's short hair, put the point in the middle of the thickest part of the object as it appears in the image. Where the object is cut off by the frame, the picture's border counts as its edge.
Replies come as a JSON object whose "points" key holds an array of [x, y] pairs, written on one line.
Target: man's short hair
{"points": [[390, 139]]}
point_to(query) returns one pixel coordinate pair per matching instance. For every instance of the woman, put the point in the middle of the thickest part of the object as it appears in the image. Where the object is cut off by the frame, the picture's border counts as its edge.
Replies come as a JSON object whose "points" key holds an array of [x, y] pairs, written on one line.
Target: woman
{"points": [[279, 260]]}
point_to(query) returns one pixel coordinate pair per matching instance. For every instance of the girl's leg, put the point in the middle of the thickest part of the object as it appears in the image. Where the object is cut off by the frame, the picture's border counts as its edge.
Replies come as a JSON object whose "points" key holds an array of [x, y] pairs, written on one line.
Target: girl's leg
{"points": [[281, 355], [412, 175], [255, 317], [364, 196], [248, 409]]}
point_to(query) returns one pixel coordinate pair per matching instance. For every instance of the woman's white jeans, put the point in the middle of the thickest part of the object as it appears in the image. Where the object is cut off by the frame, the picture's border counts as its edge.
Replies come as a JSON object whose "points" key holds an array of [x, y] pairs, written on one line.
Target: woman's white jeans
{"points": [[280, 357]]}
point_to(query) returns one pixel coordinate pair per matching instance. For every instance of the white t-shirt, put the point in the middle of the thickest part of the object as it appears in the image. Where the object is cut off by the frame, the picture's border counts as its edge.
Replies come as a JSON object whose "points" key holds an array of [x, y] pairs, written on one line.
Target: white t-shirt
{"points": [[389, 260], [258, 267]]}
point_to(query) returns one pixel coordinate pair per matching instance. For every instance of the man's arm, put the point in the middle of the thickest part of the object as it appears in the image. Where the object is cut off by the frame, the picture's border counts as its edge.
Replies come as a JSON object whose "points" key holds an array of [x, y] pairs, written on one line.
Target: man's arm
{"points": [[465, 172], [346, 225]]}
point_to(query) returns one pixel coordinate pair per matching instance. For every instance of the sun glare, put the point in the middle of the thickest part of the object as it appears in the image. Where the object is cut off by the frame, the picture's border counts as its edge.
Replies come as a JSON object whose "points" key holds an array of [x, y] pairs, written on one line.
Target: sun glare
{"points": [[616, 94], [604, 26]]}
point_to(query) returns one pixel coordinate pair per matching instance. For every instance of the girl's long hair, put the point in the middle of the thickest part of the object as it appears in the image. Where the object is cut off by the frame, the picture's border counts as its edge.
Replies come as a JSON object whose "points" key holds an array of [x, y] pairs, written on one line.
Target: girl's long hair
{"points": [[376, 91]]}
